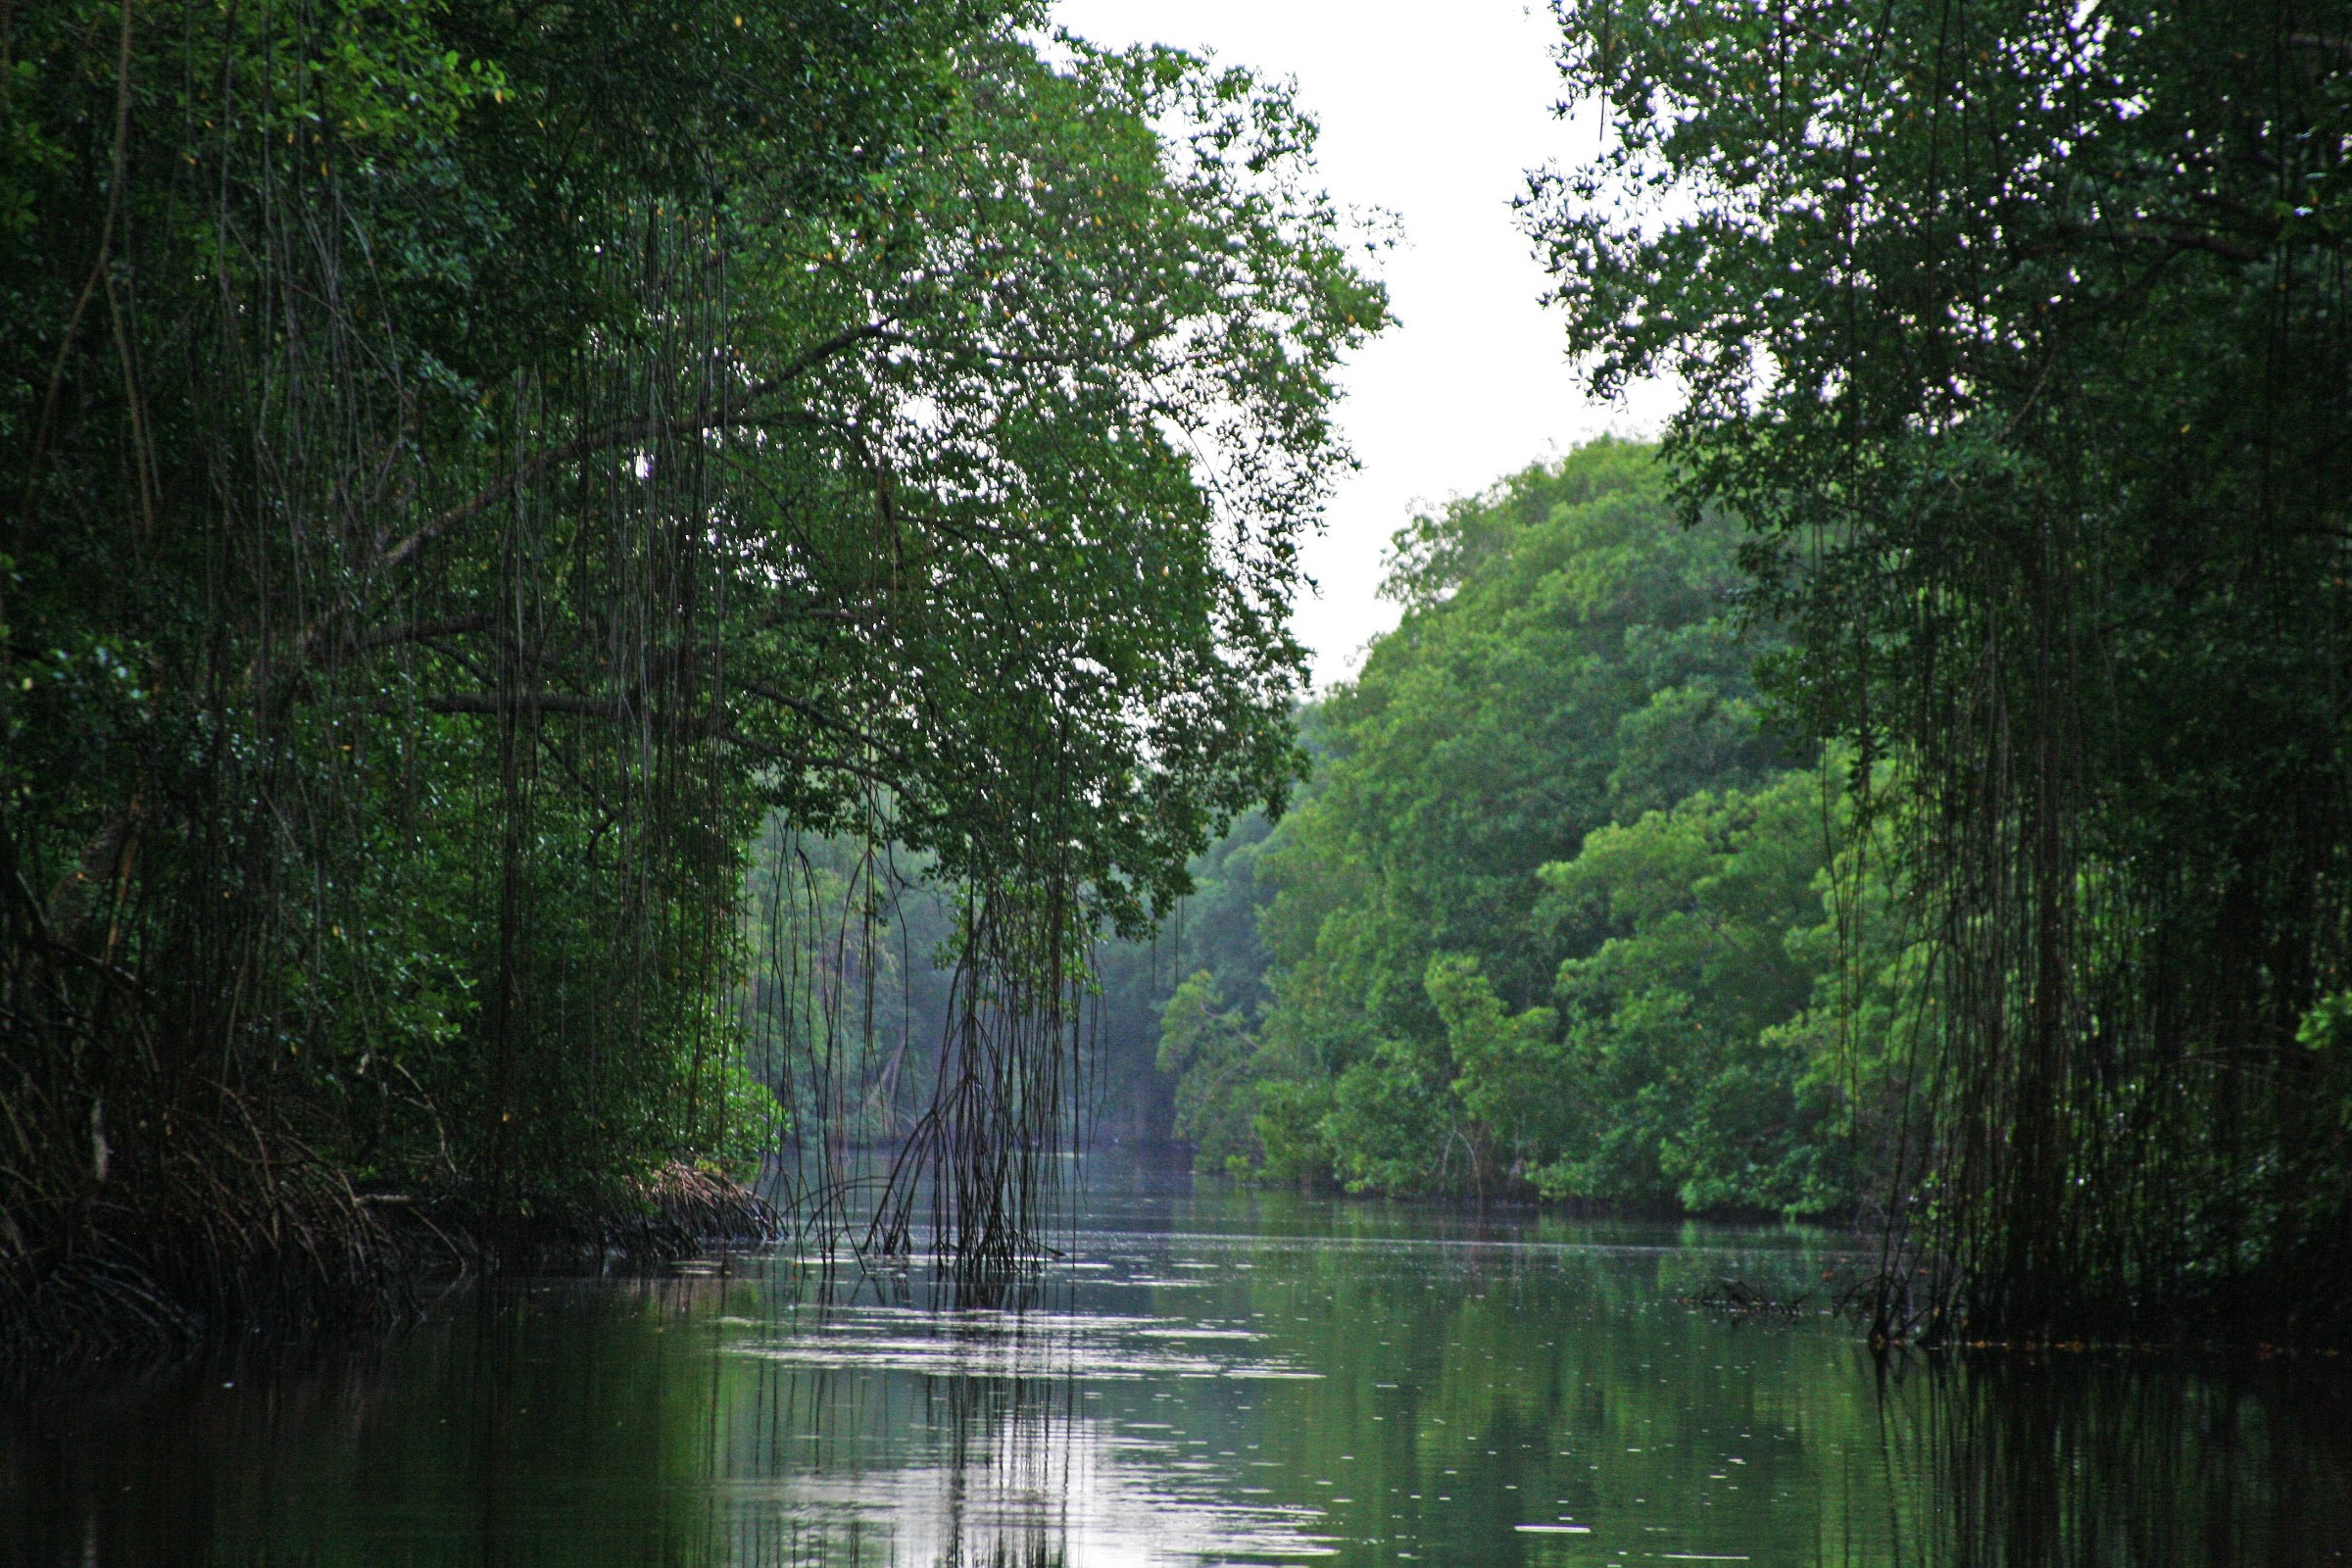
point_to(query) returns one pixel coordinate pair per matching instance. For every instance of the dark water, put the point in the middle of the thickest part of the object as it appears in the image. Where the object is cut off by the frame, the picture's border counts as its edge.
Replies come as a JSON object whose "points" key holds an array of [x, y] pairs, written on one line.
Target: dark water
{"points": [[1210, 1378]]}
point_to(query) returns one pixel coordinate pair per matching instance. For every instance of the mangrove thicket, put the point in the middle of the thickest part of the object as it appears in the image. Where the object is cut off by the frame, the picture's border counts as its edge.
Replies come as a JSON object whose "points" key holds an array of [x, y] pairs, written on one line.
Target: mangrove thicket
{"points": [[469, 465]]}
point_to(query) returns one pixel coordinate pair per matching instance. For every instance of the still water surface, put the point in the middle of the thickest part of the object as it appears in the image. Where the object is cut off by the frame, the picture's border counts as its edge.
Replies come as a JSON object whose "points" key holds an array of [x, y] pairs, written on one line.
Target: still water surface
{"points": [[1210, 1377]]}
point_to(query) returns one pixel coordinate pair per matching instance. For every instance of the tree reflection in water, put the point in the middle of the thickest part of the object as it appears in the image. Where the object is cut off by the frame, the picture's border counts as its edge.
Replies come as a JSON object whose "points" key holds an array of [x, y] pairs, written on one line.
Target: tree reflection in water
{"points": [[2052, 1460], [1233, 1378]]}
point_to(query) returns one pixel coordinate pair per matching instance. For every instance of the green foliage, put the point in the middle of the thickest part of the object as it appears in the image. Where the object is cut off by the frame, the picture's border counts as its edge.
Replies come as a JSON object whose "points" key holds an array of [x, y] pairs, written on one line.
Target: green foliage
{"points": [[1394, 1127], [1207, 1049], [1550, 784], [1213, 928], [1294, 1130], [1488, 733], [470, 466], [1570, 657], [2327, 1026], [2011, 332], [1509, 1082], [1675, 1017]]}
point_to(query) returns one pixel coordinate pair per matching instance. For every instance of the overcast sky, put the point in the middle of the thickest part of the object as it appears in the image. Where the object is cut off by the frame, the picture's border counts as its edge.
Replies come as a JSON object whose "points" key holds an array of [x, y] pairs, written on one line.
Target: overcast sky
{"points": [[1433, 113]]}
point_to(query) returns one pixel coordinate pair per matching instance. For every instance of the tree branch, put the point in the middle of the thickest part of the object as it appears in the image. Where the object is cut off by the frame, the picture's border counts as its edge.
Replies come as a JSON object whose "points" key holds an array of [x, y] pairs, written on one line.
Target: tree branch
{"points": [[416, 631], [817, 715], [801, 760], [616, 708], [497, 702], [700, 422]]}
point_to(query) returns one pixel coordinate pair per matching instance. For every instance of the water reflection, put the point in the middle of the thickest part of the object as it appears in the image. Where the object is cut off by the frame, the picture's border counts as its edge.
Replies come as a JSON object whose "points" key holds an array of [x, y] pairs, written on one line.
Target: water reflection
{"points": [[1214, 1378], [2059, 1459], [993, 1435]]}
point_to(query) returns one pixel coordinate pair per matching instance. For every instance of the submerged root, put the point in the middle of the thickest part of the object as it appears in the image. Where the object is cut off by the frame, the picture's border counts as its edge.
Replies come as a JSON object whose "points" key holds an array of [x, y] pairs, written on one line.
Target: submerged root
{"points": [[154, 1289], [141, 1287], [679, 1210], [1738, 1299]]}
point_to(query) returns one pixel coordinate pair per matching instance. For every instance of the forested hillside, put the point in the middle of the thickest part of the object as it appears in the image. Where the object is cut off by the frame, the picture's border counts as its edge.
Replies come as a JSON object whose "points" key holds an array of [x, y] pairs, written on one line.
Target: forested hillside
{"points": [[1558, 915]]}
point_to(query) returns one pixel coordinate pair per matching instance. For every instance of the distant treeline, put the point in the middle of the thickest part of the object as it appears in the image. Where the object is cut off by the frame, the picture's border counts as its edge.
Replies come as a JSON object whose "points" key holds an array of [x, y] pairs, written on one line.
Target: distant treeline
{"points": [[1560, 915]]}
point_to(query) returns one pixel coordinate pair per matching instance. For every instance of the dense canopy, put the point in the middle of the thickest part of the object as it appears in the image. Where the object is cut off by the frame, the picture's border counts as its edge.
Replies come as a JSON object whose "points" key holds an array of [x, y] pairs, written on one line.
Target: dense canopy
{"points": [[2013, 334], [467, 463]]}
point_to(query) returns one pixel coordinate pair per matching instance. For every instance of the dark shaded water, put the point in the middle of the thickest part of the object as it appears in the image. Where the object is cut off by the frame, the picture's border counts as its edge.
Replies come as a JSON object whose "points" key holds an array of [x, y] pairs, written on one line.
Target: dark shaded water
{"points": [[1211, 1377]]}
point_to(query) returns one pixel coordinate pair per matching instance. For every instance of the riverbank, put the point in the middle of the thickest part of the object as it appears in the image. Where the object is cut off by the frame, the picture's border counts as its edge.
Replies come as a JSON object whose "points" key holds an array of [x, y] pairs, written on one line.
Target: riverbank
{"points": [[147, 1286], [1210, 1375]]}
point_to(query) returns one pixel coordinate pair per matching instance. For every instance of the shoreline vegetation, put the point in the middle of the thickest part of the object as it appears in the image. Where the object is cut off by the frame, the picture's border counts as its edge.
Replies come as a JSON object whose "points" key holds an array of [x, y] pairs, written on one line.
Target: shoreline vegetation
{"points": [[476, 473], [135, 1299], [2016, 375], [2026, 378]]}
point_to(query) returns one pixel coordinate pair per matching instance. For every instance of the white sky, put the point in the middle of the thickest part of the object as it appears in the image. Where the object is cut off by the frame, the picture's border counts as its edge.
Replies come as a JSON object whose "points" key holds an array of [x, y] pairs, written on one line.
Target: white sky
{"points": [[1433, 113]]}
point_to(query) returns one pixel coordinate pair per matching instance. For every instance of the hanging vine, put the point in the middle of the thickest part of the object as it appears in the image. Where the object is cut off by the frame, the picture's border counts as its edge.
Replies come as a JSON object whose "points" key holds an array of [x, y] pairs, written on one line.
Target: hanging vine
{"points": [[470, 464], [2014, 332]]}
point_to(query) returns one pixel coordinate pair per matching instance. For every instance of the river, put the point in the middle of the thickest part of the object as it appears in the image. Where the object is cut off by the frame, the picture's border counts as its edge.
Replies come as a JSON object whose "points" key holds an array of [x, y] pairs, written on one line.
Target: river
{"points": [[1211, 1376]]}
